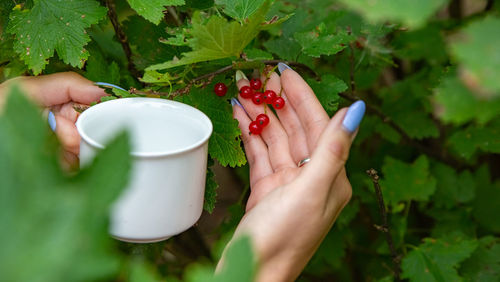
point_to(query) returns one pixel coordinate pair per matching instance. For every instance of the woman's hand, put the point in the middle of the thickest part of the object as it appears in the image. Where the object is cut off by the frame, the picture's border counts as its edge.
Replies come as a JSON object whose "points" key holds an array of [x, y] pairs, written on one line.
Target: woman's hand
{"points": [[291, 209], [58, 92]]}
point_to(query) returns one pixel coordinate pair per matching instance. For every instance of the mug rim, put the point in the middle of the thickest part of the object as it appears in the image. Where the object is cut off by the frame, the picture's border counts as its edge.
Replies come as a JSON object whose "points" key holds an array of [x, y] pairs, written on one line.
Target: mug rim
{"points": [[98, 145]]}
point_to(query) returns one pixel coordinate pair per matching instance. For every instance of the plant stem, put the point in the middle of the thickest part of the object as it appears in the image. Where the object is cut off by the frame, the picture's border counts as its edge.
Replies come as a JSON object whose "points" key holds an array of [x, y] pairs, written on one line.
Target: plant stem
{"points": [[120, 34], [396, 259]]}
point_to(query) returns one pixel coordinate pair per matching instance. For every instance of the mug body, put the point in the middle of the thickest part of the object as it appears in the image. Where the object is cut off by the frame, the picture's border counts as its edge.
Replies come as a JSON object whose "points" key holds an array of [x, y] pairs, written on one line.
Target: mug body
{"points": [[169, 140]]}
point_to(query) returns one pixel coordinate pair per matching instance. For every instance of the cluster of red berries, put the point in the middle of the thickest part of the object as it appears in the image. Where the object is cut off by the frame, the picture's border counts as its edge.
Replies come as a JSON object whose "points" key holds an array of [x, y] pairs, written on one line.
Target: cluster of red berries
{"points": [[269, 97]]}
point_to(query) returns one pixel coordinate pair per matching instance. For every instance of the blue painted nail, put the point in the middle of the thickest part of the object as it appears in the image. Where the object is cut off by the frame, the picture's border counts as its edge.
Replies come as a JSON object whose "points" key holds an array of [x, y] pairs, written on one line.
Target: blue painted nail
{"points": [[52, 121], [354, 116], [282, 67], [235, 101], [108, 85]]}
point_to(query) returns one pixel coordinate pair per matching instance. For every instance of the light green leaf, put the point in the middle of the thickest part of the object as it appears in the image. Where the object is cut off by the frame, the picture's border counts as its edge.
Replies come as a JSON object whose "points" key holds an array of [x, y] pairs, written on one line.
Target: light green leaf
{"points": [[403, 182], [224, 144], [409, 12], [322, 42], [478, 53], [54, 26], [152, 10], [437, 259], [217, 38], [327, 91], [240, 10], [459, 105], [57, 222]]}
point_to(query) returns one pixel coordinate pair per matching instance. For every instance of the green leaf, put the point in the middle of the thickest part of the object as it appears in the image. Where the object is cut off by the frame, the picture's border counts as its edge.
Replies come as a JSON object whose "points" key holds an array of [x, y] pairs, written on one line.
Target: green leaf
{"points": [[452, 188], [322, 42], [478, 53], [144, 37], [286, 48], [218, 38], [58, 223], [224, 144], [403, 182], [423, 44], [466, 142], [484, 263], [327, 91], [240, 10], [98, 69], [485, 204], [152, 10], [51, 26], [409, 12], [459, 105], [210, 190], [437, 259]]}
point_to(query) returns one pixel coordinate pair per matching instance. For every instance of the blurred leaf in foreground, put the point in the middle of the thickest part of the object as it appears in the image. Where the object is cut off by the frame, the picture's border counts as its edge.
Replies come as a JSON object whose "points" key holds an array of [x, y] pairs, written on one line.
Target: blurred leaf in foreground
{"points": [[54, 226]]}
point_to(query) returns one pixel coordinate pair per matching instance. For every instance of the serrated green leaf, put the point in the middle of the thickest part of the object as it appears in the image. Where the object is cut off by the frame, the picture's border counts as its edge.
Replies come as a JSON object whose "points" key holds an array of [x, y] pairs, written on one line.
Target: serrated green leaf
{"points": [[322, 42], [144, 37], [466, 142], [409, 12], [240, 10], [485, 204], [224, 144], [437, 259], [258, 54], [210, 191], [327, 91], [286, 48], [58, 223], [98, 69], [452, 188], [484, 263], [152, 10], [53, 26], [459, 105], [218, 38], [403, 182], [478, 53]]}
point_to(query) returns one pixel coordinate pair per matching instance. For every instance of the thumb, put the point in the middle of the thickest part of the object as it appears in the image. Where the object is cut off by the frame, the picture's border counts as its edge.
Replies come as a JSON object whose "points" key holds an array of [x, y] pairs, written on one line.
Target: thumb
{"points": [[333, 146]]}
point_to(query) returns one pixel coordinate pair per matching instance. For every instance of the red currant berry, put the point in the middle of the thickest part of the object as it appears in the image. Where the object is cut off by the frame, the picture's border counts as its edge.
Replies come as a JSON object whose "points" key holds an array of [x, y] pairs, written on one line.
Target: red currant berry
{"points": [[278, 103], [269, 96], [220, 89], [246, 92], [255, 83], [262, 119], [258, 98], [255, 128]]}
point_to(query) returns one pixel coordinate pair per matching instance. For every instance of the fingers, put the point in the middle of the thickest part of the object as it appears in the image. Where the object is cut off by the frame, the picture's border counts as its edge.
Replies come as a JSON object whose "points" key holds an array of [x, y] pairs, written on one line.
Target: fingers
{"points": [[290, 121], [60, 88], [309, 110], [67, 133], [255, 148], [328, 160], [273, 135]]}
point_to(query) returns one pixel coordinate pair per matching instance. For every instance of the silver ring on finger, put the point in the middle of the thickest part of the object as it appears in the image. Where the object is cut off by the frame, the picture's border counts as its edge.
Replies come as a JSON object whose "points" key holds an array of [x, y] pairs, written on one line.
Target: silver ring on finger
{"points": [[303, 162]]}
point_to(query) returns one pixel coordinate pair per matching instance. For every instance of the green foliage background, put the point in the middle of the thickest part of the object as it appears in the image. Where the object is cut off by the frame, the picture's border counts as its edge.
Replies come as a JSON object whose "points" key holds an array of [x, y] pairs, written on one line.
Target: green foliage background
{"points": [[428, 70]]}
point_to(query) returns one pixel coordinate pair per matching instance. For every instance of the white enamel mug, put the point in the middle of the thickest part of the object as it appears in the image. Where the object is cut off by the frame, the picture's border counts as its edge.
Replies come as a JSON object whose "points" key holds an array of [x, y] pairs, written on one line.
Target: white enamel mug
{"points": [[169, 142]]}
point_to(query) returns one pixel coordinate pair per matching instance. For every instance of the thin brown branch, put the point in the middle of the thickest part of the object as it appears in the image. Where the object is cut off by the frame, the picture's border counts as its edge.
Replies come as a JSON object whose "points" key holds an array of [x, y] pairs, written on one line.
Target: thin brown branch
{"points": [[351, 64], [173, 13], [384, 228], [122, 38]]}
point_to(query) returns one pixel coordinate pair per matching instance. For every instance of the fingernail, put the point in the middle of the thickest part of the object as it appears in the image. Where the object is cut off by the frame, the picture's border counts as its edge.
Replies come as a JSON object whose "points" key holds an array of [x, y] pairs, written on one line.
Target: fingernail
{"points": [[235, 102], [108, 85], [52, 121], [282, 67], [239, 76], [354, 116]]}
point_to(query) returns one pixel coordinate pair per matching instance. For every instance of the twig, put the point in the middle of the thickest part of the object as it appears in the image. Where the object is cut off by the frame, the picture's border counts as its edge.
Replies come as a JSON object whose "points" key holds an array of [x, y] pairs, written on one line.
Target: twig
{"points": [[351, 64], [121, 37], [173, 13], [396, 259]]}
